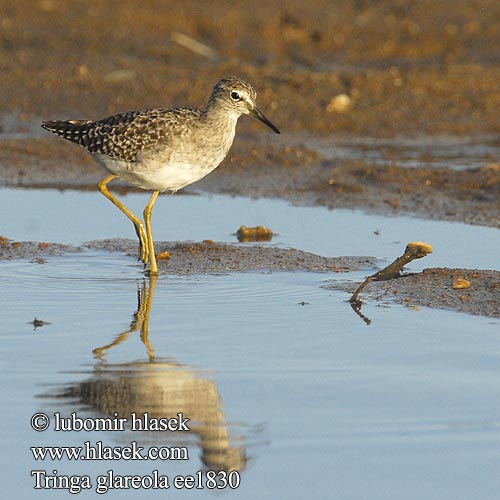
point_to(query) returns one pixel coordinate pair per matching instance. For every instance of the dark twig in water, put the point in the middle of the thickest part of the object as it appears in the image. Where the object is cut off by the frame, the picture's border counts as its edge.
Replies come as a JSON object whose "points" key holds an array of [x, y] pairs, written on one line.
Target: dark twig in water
{"points": [[413, 250]]}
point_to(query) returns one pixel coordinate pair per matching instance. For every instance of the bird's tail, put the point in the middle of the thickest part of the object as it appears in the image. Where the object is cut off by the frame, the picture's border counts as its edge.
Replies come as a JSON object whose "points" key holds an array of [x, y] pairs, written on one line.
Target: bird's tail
{"points": [[72, 130]]}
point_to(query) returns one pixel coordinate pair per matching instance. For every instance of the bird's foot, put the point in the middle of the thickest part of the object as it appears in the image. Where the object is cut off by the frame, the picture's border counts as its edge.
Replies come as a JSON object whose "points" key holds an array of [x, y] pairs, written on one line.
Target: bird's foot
{"points": [[150, 272], [143, 245]]}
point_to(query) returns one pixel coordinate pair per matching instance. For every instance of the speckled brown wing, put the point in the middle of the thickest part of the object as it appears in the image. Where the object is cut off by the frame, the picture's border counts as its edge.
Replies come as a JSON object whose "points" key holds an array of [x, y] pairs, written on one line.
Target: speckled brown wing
{"points": [[125, 136]]}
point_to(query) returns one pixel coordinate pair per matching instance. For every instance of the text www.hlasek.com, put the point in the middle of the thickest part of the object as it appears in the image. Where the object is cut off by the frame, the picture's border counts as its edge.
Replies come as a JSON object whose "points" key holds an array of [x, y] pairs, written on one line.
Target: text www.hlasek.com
{"points": [[98, 451]]}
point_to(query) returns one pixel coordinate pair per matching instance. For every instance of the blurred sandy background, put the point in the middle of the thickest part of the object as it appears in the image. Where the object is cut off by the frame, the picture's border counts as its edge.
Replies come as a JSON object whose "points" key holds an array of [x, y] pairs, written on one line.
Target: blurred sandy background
{"points": [[406, 66]]}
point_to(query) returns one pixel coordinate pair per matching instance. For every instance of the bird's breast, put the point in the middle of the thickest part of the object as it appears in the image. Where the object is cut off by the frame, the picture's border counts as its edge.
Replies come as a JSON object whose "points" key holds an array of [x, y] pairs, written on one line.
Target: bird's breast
{"points": [[177, 163]]}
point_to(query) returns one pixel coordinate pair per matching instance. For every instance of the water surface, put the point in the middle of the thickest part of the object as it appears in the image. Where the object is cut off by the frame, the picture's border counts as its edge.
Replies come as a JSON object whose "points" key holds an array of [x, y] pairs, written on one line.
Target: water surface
{"points": [[284, 382]]}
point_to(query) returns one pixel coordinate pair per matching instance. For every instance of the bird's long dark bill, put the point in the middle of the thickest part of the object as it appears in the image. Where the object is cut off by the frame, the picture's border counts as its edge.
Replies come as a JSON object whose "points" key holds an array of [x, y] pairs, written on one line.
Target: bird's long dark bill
{"points": [[255, 112]]}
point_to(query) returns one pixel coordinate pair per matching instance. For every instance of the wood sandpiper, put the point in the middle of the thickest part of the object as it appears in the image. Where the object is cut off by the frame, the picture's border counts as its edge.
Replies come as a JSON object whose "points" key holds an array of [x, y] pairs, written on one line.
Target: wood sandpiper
{"points": [[163, 149]]}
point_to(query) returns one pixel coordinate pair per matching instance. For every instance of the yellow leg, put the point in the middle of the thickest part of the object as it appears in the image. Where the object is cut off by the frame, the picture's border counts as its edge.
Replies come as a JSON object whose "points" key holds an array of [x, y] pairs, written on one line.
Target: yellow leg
{"points": [[139, 227], [153, 268]]}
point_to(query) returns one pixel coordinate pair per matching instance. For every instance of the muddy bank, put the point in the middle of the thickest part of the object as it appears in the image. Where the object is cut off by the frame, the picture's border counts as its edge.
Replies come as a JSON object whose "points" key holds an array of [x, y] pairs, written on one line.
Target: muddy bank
{"points": [[433, 287], [290, 169], [207, 257], [470, 195]]}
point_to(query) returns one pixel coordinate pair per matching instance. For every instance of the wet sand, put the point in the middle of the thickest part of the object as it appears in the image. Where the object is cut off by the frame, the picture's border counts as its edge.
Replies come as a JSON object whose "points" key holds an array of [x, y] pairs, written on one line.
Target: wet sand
{"points": [[207, 257], [362, 69]]}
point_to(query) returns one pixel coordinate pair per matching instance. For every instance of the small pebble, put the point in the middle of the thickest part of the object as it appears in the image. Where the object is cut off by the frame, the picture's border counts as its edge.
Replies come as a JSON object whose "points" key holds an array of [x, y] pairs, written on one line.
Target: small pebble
{"points": [[461, 284], [339, 104], [163, 255], [258, 233]]}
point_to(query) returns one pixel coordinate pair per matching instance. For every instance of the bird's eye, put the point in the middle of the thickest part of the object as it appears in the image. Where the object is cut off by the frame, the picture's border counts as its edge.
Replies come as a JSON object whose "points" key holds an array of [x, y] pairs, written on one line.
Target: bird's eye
{"points": [[235, 96]]}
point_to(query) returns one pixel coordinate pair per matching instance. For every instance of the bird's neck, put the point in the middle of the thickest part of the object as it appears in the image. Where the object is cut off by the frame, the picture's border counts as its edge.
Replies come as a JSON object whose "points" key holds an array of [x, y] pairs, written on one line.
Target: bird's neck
{"points": [[220, 122]]}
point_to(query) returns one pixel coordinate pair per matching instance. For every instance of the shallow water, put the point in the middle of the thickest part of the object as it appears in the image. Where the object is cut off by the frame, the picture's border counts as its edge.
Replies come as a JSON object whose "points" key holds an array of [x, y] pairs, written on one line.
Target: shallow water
{"points": [[76, 217], [281, 378], [456, 153]]}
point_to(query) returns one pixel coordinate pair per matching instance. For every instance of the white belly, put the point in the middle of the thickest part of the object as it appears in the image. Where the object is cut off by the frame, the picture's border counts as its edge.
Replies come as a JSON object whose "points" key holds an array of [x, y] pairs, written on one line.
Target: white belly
{"points": [[156, 175]]}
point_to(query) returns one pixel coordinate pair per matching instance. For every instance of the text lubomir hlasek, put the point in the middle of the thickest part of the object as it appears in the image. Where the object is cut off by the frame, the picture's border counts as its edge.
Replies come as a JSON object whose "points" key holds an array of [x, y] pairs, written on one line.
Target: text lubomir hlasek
{"points": [[141, 422]]}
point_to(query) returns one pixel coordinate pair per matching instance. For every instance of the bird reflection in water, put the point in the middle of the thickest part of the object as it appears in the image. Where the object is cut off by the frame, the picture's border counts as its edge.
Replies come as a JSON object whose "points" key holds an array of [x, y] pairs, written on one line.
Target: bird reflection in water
{"points": [[162, 388]]}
